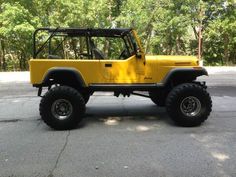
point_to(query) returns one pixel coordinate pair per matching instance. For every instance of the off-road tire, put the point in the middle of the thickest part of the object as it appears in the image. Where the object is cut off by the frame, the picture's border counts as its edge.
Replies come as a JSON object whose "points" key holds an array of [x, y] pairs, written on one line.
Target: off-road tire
{"points": [[175, 101], [158, 97], [70, 96], [86, 97]]}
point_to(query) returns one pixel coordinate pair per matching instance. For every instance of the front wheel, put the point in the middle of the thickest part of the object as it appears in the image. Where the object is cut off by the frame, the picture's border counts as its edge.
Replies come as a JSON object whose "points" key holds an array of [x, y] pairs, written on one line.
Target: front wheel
{"points": [[189, 104], [62, 108], [85, 96]]}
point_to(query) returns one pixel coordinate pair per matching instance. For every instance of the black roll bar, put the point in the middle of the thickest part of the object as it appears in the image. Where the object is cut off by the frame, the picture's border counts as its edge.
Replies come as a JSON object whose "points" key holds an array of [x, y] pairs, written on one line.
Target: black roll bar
{"points": [[119, 32], [35, 51]]}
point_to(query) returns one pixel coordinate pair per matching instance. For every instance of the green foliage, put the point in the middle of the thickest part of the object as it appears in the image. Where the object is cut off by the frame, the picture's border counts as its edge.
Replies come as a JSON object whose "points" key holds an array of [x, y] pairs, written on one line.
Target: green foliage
{"points": [[220, 35], [165, 26], [17, 26]]}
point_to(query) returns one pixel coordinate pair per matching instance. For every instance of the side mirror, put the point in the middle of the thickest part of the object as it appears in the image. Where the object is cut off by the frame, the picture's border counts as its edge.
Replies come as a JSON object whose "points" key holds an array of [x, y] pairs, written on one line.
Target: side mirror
{"points": [[139, 55]]}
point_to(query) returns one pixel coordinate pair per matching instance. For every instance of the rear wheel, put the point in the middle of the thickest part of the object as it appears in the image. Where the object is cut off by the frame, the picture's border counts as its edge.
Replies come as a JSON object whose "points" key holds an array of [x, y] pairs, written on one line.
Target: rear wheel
{"points": [[62, 108], [189, 104]]}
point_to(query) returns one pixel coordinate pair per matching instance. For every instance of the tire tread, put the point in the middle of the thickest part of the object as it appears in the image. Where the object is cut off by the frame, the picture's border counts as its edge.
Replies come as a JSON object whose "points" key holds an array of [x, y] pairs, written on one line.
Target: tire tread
{"points": [[178, 90], [69, 91]]}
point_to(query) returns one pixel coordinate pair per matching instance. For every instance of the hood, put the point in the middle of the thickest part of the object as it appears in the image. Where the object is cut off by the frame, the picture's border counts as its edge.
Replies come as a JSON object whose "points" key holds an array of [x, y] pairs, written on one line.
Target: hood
{"points": [[174, 60]]}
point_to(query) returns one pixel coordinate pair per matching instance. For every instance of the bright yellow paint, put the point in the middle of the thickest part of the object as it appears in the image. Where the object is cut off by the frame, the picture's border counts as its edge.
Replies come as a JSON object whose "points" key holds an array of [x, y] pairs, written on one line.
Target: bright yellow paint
{"points": [[148, 69], [133, 70]]}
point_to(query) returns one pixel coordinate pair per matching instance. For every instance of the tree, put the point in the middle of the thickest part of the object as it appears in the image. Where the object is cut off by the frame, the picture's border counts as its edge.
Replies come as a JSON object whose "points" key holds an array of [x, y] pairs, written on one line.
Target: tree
{"points": [[16, 28], [220, 40], [165, 26]]}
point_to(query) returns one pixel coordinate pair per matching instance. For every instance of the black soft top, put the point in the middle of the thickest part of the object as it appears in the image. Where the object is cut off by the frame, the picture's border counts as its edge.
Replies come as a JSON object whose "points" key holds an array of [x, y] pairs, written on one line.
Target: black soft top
{"points": [[117, 32], [73, 32]]}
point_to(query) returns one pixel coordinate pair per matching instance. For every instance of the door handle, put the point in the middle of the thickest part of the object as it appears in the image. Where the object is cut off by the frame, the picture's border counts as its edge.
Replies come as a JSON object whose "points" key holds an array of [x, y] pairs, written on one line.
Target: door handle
{"points": [[108, 65]]}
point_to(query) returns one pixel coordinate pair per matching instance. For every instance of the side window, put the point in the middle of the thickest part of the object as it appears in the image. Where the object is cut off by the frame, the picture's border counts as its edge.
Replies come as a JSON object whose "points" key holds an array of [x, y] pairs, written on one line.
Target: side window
{"points": [[69, 47], [112, 48]]}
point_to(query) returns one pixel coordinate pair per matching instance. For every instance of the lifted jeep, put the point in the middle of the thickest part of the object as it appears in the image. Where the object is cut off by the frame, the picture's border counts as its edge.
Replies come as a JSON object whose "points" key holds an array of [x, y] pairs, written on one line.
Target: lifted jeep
{"points": [[74, 63]]}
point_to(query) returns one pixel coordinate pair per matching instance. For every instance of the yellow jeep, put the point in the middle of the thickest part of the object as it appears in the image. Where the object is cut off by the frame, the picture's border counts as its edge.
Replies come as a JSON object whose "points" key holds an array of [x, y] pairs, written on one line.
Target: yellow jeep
{"points": [[74, 63]]}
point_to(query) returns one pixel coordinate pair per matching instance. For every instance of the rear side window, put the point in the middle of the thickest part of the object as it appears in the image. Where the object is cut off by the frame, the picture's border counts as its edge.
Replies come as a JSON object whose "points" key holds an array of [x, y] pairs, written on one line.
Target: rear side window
{"points": [[69, 48]]}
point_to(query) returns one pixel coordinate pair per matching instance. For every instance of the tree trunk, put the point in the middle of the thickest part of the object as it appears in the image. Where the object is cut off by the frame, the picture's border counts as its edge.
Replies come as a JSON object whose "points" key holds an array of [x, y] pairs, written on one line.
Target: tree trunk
{"points": [[3, 62], [20, 62], [106, 48], [226, 49], [148, 40], [1, 55], [23, 55], [195, 32], [74, 44], [81, 48], [177, 47], [200, 45], [169, 49], [234, 54]]}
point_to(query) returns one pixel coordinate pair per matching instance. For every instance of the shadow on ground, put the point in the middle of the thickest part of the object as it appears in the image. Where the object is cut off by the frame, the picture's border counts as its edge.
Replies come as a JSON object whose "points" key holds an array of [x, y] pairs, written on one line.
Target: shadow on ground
{"points": [[113, 115]]}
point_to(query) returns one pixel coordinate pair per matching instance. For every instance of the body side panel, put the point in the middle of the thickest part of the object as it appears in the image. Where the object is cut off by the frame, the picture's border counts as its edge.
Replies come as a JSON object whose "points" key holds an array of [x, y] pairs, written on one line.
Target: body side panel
{"points": [[151, 69]]}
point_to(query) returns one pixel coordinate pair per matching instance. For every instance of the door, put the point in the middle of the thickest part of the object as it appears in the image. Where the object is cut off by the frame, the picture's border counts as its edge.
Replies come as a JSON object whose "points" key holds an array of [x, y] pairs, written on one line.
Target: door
{"points": [[118, 60]]}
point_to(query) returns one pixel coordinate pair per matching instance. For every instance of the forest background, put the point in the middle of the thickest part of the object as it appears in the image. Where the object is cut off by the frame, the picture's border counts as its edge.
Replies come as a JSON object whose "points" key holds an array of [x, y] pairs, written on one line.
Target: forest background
{"points": [[169, 27]]}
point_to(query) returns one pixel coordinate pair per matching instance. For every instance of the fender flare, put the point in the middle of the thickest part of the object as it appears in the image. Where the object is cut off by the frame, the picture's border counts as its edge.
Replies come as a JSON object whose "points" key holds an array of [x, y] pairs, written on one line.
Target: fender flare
{"points": [[60, 71], [191, 73]]}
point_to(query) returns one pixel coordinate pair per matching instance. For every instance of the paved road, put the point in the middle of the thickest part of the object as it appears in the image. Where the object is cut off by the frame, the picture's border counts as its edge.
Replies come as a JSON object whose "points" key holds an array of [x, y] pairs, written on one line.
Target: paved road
{"points": [[120, 137]]}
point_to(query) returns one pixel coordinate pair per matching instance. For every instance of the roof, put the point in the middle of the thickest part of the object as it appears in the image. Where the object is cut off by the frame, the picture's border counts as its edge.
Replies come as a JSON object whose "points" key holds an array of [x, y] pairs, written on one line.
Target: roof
{"points": [[90, 31]]}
